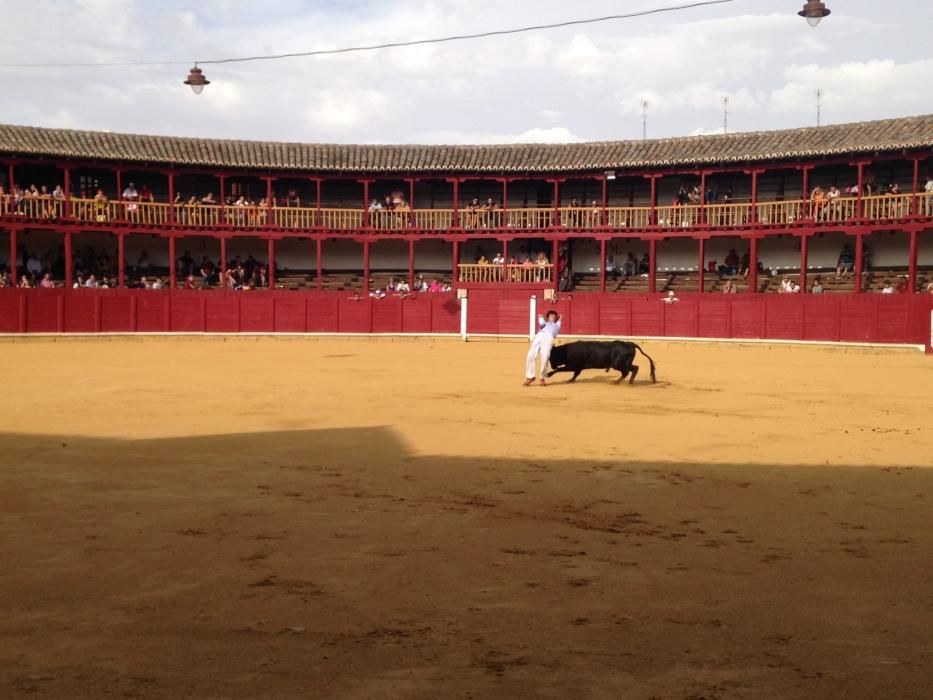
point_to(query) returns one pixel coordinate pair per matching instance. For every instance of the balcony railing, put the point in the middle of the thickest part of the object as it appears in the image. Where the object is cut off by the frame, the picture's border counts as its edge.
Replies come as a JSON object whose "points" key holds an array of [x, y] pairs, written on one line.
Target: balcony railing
{"points": [[489, 273], [733, 215]]}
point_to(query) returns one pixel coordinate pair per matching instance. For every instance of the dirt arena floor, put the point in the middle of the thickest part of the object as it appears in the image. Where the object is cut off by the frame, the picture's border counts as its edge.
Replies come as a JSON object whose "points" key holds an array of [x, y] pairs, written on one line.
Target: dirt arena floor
{"points": [[402, 519]]}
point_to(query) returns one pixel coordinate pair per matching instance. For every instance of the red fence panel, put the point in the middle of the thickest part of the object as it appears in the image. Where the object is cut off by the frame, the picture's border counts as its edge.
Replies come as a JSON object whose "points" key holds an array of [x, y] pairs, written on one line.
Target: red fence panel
{"points": [[116, 313], [187, 312], [151, 311], [256, 312], [445, 313], [42, 312], [9, 311], [322, 313], [416, 314], [615, 315], [714, 318], [289, 314], [222, 312], [355, 316], [387, 315]]}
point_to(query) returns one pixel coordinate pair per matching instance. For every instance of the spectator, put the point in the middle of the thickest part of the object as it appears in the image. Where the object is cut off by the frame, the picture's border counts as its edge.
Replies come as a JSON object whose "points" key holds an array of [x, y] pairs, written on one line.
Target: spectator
{"points": [[817, 287], [434, 286], [145, 195], [631, 266], [644, 267], [100, 205], [745, 264], [91, 282], [732, 262], [929, 287], [189, 282], [403, 287], [846, 263], [787, 285], [612, 270], [671, 298], [499, 259], [47, 282], [888, 287], [729, 287], [24, 282], [156, 283], [375, 205]]}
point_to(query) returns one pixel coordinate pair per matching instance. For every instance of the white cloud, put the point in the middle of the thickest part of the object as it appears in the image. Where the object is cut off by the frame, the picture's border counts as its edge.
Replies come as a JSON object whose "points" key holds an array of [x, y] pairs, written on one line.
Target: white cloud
{"points": [[557, 134]]}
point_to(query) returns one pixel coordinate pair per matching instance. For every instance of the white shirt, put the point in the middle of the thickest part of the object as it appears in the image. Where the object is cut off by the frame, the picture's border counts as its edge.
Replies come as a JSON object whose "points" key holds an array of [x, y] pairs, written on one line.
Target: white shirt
{"points": [[888, 290], [929, 186], [551, 328], [130, 193]]}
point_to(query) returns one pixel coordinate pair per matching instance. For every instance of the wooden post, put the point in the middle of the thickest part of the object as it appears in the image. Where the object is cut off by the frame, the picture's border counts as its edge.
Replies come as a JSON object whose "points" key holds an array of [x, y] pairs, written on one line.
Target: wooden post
{"points": [[804, 240], [754, 213], [270, 205], [861, 183], [703, 197], [223, 262], [271, 256], [912, 261], [859, 260], [702, 268], [653, 263], [67, 175], [319, 217], [602, 267], [121, 211], [505, 202], [455, 272], [171, 199], [121, 260], [753, 265], [411, 263], [654, 201], [366, 221], [456, 217], [13, 277], [556, 216], [69, 262], [914, 210], [605, 220], [366, 266], [171, 262], [320, 262], [554, 256]]}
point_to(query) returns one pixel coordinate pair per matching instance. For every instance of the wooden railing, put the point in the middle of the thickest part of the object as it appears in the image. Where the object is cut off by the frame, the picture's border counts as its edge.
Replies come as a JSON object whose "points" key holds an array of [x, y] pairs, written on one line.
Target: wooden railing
{"points": [[518, 274], [874, 208]]}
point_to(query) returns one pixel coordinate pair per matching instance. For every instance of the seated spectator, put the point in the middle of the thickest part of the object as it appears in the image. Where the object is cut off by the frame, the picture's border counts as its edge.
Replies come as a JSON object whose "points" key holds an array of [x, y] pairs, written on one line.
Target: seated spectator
{"points": [[435, 286], [817, 203], [420, 284], [671, 298], [731, 266], [694, 195], [631, 266], [78, 283], [377, 294], [403, 287], [375, 205], [787, 285], [24, 282], [156, 283], [846, 263], [729, 287], [91, 281], [929, 287], [745, 265], [47, 282], [189, 282], [499, 259], [145, 194], [207, 271], [612, 270], [100, 205], [208, 199], [817, 287], [391, 286], [888, 288], [446, 287], [644, 267]]}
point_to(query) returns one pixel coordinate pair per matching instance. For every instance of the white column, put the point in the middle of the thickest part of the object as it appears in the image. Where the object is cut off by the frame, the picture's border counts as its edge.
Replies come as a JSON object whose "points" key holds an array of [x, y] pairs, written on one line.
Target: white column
{"points": [[532, 316], [463, 318]]}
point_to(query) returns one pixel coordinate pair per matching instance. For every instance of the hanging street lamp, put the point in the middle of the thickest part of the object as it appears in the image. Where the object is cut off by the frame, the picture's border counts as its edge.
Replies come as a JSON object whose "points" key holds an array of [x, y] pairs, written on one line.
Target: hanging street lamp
{"points": [[814, 11], [196, 80]]}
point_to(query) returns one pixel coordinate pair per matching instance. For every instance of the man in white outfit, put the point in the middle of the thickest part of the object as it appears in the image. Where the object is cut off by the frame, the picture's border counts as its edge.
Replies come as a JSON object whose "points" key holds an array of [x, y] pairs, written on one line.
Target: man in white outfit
{"points": [[541, 345]]}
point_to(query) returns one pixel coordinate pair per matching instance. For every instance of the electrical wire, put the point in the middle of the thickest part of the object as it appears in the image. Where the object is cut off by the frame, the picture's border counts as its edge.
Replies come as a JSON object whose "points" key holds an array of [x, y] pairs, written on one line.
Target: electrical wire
{"points": [[377, 47]]}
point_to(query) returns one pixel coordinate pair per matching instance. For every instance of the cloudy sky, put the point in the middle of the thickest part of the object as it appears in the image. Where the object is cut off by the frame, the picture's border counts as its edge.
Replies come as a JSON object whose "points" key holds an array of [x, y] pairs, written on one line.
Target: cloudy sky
{"points": [[872, 59]]}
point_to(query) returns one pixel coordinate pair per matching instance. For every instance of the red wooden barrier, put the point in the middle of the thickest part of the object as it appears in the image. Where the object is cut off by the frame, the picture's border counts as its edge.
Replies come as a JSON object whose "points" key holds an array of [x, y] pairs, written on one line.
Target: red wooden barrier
{"points": [[870, 318]]}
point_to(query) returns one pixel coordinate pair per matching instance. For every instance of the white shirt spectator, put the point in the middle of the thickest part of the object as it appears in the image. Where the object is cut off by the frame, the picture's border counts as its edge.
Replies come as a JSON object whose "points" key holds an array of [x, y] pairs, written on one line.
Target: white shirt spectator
{"points": [[130, 193], [670, 298], [888, 289], [929, 186]]}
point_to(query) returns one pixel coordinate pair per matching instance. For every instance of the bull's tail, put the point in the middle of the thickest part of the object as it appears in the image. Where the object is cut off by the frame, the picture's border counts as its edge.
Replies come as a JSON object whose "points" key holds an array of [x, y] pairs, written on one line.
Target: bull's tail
{"points": [[653, 378]]}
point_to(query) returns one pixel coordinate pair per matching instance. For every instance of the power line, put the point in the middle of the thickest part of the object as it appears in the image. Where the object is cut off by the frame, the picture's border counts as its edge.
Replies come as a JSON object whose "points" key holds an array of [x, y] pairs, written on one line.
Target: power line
{"points": [[377, 47]]}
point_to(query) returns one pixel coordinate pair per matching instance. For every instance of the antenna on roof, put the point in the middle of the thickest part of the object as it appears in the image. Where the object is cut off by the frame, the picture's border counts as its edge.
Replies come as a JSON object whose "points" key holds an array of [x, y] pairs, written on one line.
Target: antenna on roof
{"points": [[725, 114], [819, 106], [644, 119]]}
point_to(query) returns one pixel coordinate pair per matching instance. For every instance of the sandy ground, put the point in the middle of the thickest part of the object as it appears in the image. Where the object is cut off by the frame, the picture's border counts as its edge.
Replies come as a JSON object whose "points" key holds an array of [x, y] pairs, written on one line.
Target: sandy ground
{"points": [[375, 519]]}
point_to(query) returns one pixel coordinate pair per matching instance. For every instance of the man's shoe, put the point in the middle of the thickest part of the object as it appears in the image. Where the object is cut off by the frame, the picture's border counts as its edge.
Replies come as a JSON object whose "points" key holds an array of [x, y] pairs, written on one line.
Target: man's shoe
{"points": [[528, 382], [542, 381]]}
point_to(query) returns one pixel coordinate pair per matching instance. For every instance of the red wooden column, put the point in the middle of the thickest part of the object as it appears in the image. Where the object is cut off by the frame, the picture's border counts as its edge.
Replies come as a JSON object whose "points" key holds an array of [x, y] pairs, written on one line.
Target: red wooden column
{"points": [[411, 263], [804, 239], [69, 262], [605, 219], [754, 213], [753, 265], [859, 261], [913, 200], [318, 220], [171, 198], [602, 266], [555, 220], [700, 276], [121, 211], [320, 262], [13, 279], [654, 201], [703, 197], [10, 178], [121, 259], [505, 254], [861, 182], [555, 252], [223, 199], [912, 261], [505, 202], [366, 266], [456, 217], [223, 261], [455, 273], [653, 262], [366, 221], [806, 191], [271, 256], [67, 176], [411, 202], [269, 204], [171, 262]]}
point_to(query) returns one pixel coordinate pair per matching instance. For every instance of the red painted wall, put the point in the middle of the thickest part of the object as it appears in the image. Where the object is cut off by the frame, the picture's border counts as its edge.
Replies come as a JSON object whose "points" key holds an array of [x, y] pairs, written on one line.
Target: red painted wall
{"points": [[896, 318]]}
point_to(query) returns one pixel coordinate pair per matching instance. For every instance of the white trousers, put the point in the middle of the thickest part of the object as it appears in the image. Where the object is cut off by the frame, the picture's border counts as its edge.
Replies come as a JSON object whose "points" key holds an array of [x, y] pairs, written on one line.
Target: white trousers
{"points": [[541, 345]]}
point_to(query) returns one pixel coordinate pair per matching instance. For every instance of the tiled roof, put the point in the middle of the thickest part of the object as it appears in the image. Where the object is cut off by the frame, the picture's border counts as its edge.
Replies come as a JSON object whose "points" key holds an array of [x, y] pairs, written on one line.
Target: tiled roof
{"points": [[849, 139]]}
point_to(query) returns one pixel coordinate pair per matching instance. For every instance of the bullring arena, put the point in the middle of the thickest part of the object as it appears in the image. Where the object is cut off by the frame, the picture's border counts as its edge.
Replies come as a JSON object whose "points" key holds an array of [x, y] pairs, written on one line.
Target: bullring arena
{"points": [[265, 432], [347, 517]]}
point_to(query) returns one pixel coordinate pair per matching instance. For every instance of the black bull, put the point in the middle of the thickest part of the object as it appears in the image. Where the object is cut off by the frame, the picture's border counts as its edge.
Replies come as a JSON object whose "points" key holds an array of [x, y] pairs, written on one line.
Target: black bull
{"points": [[587, 354]]}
